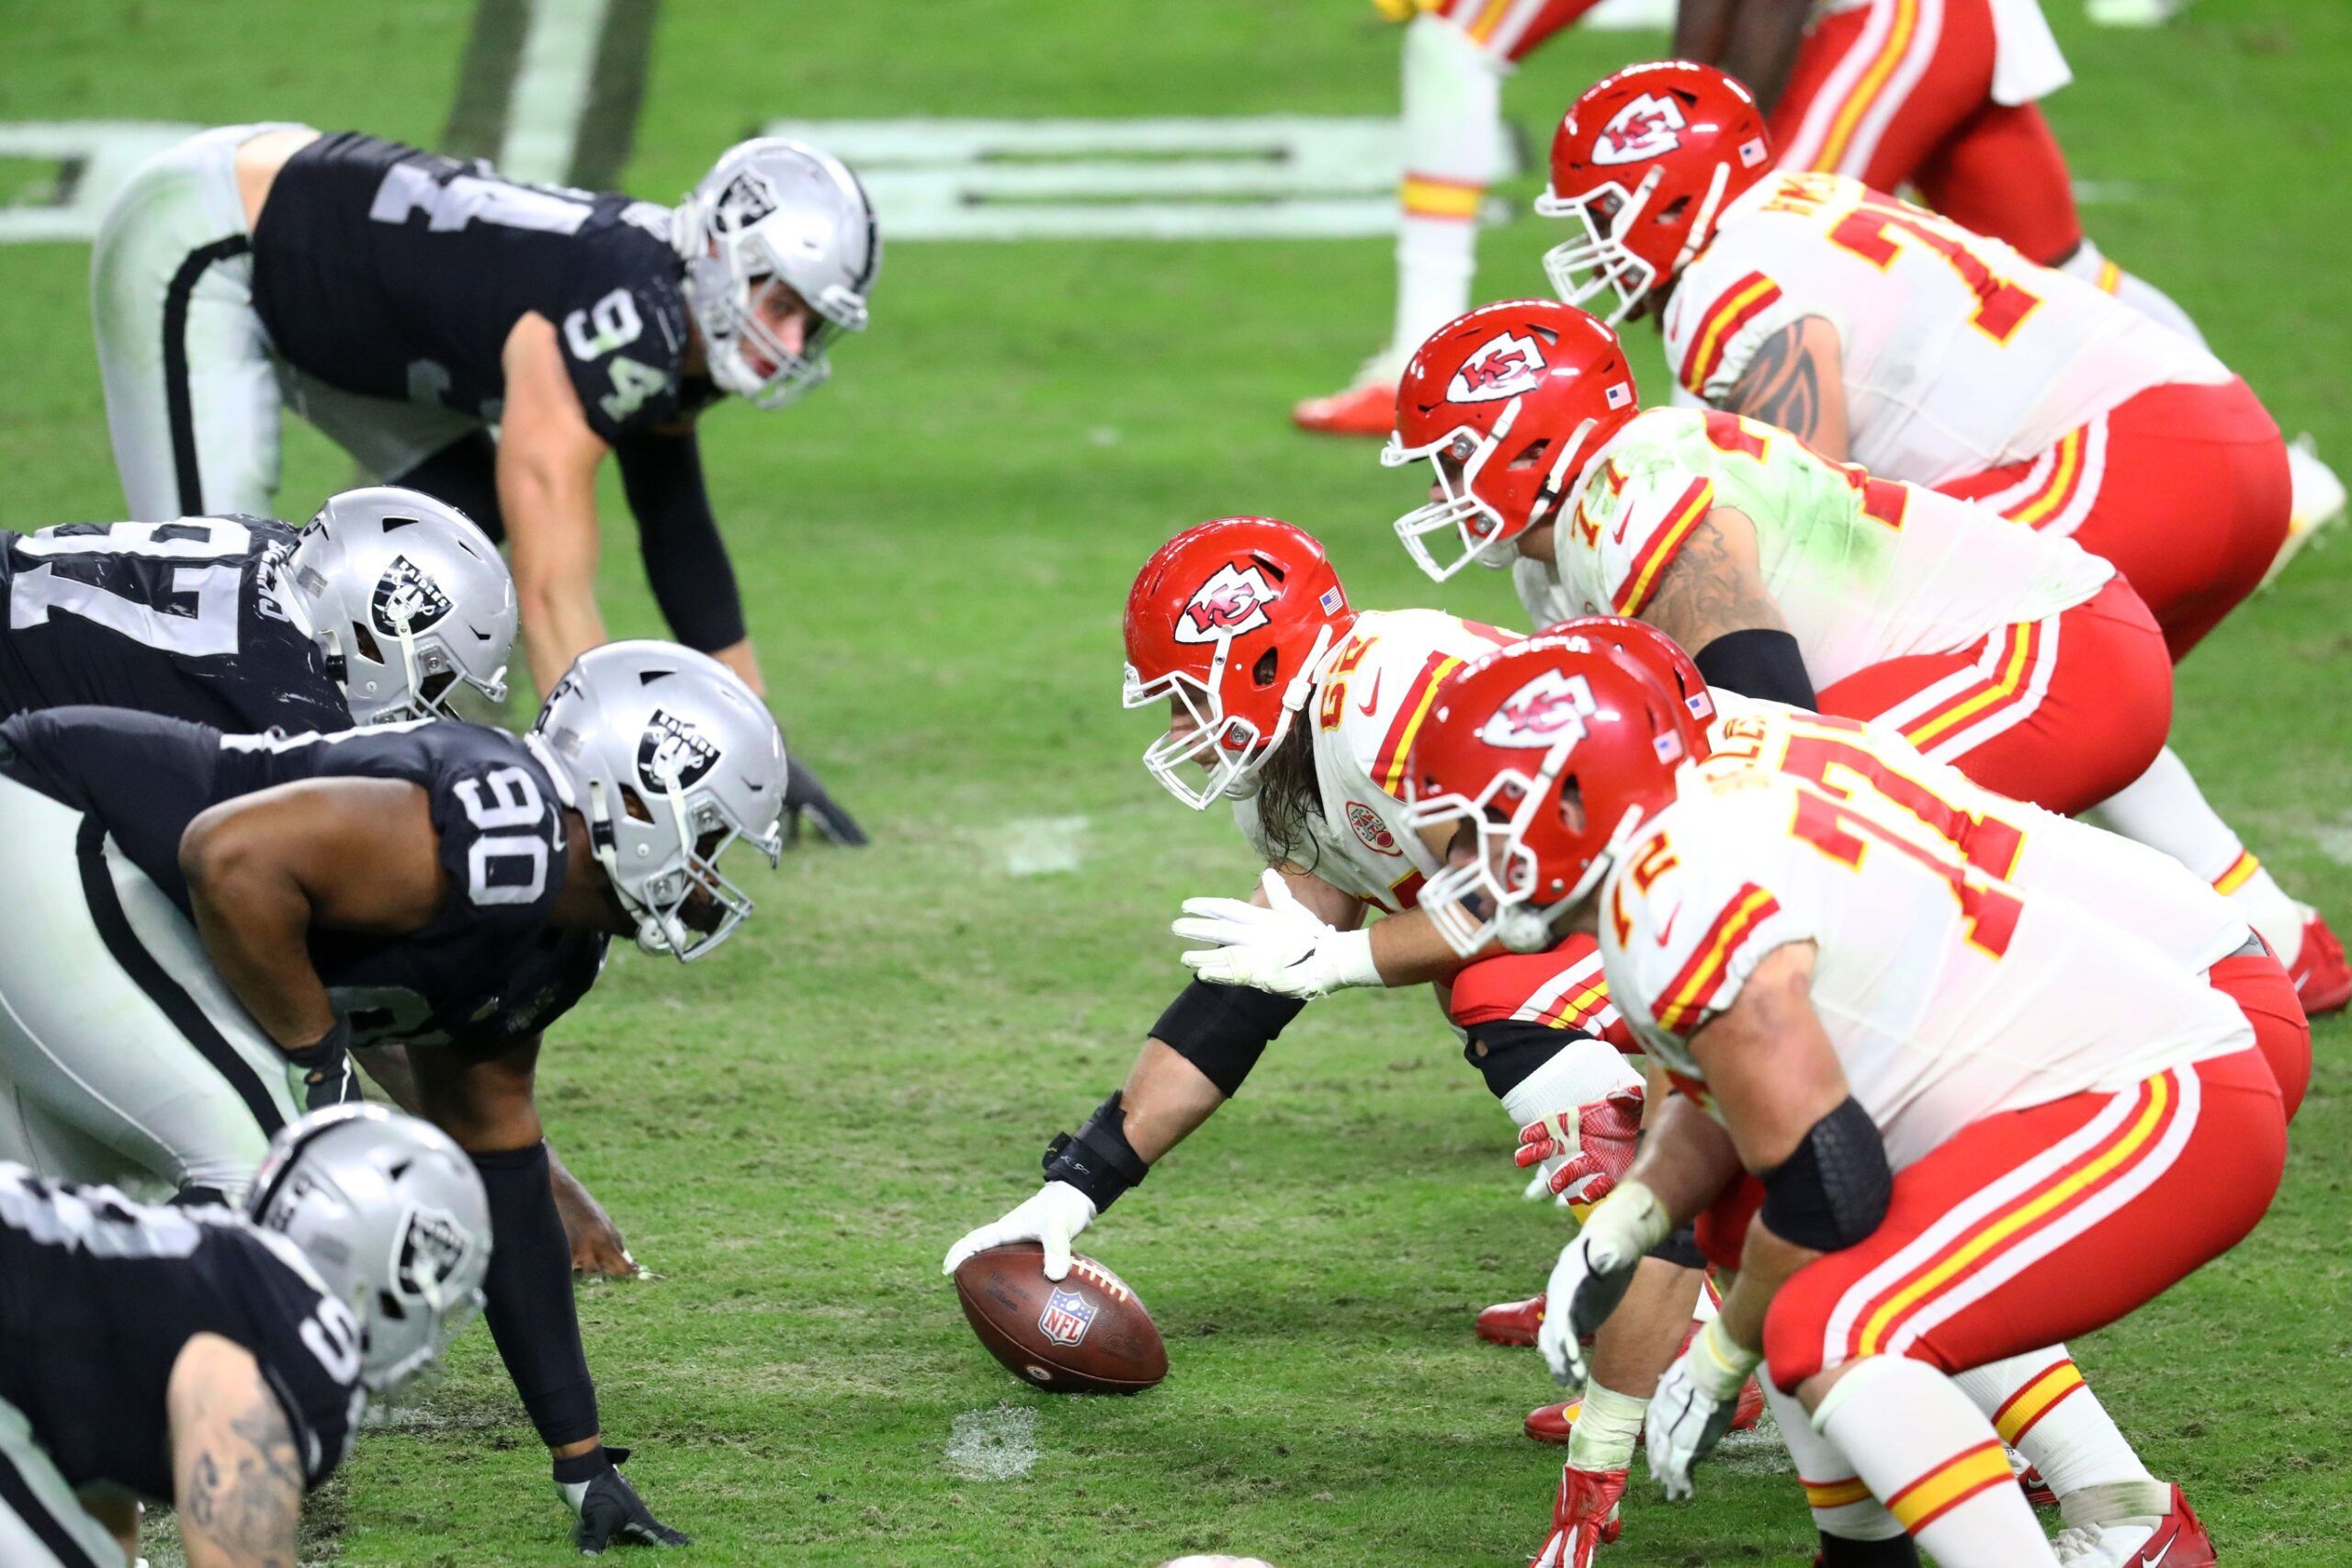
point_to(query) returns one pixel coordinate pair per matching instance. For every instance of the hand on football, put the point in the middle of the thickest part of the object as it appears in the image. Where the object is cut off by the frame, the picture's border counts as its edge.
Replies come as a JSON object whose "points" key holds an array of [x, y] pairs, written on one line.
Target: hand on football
{"points": [[1694, 1405], [1584, 1153], [1051, 1217], [1593, 1274], [1282, 947]]}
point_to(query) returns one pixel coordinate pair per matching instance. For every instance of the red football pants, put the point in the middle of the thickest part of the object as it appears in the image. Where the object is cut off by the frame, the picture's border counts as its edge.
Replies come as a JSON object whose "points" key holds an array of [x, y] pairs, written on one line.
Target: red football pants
{"points": [[1511, 28], [2062, 712], [2254, 981], [1562, 988], [1901, 90], [2039, 1225], [2182, 488]]}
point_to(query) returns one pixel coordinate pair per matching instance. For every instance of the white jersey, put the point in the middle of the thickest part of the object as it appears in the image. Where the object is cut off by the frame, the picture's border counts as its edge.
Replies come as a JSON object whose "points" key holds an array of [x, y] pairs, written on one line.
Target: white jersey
{"points": [[1955, 353], [1864, 570], [1951, 987], [1369, 702]]}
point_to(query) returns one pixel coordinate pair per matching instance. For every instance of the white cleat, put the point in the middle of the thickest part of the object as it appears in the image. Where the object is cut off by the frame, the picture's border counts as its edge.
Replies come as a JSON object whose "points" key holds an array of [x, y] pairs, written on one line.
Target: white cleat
{"points": [[2318, 500], [2132, 13]]}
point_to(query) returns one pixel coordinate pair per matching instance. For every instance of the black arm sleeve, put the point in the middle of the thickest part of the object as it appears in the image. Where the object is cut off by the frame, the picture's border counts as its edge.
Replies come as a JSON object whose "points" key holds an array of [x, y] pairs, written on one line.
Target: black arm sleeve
{"points": [[686, 560], [1833, 1191], [1515, 1048], [1223, 1030], [528, 1296], [1758, 662]]}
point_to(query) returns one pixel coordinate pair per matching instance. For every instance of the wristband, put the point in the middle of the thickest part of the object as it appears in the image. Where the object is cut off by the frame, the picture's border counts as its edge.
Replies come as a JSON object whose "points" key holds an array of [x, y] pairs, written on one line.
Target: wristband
{"points": [[1097, 1159], [1351, 956], [1719, 1364], [1632, 1216], [324, 1051]]}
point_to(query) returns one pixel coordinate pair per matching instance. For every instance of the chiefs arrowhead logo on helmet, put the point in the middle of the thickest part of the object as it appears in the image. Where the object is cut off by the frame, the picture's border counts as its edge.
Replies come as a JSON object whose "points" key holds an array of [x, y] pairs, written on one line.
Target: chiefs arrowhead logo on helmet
{"points": [[671, 749], [1504, 367], [1540, 715], [1231, 603], [1649, 127], [406, 597]]}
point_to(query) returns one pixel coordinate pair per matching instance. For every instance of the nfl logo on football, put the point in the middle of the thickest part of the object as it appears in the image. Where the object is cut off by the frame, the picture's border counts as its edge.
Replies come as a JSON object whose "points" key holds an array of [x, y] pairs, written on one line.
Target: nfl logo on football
{"points": [[1068, 1315]]}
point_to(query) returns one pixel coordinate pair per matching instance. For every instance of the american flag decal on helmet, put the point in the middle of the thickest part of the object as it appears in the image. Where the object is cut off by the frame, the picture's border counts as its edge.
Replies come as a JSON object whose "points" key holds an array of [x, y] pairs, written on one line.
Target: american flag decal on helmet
{"points": [[1618, 394], [1332, 601], [1751, 152]]}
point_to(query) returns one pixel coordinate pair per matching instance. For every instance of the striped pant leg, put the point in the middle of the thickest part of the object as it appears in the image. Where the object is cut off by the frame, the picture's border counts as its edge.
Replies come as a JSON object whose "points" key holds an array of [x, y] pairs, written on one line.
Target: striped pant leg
{"points": [[1877, 89], [191, 388], [41, 1523], [1511, 29], [2035, 1226], [112, 1021]]}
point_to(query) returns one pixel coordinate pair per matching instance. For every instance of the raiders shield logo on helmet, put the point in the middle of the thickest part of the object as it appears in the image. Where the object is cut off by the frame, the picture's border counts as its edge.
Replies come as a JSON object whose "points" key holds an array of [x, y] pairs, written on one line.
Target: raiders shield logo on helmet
{"points": [[406, 598], [1540, 715], [432, 1245], [746, 198], [1231, 603], [671, 749], [1649, 127], [1504, 367]]}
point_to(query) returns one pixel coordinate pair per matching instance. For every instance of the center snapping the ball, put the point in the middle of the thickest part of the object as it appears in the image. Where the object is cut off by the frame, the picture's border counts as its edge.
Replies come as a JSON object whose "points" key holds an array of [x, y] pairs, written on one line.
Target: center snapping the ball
{"points": [[1089, 1334]]}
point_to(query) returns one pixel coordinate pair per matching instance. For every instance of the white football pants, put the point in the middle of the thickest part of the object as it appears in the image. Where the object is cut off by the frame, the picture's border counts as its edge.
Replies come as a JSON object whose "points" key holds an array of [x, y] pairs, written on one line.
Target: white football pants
{"points": [[118, 1040], [193, 388], [42, 1524]]}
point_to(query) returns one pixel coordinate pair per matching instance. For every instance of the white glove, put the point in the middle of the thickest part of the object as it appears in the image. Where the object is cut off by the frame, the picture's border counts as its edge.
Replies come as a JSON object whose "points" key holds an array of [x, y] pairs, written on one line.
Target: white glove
{"points": [[1284, 947], [1058, 1213], [1694, 1405], [1593, 1273]]}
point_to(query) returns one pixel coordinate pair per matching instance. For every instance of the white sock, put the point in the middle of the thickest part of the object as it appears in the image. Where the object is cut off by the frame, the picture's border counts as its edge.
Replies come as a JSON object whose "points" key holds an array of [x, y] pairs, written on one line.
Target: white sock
{"points": [[1931, 1457], [1452, 129], [1842, 1505], [2040, 1405], [2151, 301], [1607, 1424], [2164, 809]]}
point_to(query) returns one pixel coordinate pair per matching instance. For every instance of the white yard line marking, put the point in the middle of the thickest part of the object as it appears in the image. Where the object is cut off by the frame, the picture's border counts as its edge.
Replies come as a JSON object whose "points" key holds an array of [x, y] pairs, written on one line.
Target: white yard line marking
{"points": [[993, 1445], [1042, 846], [550, 91]]}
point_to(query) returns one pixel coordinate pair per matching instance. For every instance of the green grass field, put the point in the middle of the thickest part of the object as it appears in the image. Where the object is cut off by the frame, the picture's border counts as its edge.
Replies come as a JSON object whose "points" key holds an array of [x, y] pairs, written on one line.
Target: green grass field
{"points": [[935, 551]]}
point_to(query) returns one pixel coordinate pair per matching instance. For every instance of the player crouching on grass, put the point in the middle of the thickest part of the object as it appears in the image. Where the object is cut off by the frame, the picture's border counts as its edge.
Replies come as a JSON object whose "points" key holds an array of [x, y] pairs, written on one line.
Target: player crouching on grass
{"points": [[221, 1359], [2000, 1077], [1285, 700], [1927, 353], [410, 305], [203, 925]]}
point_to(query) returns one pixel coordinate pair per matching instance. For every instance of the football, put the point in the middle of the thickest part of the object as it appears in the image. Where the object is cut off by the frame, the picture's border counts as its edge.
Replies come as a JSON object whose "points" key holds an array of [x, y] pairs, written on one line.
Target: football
{"points": [[1088, 1334]]}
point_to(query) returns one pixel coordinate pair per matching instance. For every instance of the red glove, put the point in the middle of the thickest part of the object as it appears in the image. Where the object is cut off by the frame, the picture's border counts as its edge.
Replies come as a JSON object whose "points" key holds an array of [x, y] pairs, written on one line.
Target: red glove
{"points": [[1584, 1518], [1593, 1153]]}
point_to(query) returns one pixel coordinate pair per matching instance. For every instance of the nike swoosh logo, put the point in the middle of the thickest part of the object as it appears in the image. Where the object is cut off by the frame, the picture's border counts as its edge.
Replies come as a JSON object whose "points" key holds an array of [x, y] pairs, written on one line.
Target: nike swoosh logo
{"points": [[1372, 703], [1666, 931], [1624, 521], [2147, 1562]]}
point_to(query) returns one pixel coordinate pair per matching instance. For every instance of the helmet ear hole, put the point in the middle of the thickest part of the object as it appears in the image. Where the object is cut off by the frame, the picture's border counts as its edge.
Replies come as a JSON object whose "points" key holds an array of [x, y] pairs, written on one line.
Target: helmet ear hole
{"points": [[1673, 210], [634, 804], [365, 641], [1572, 813], [1269, 665], [388, 1306]]}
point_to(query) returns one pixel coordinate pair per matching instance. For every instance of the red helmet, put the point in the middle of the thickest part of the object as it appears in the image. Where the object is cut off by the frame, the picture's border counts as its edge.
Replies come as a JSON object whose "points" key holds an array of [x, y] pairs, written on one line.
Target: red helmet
{"points": [[1662, 657], [1232, 619], [1554, 749], [1694, 137], [1508, 403]]}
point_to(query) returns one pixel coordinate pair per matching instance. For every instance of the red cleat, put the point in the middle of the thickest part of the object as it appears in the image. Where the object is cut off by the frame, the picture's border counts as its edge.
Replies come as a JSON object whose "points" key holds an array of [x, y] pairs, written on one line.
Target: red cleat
{"points": [[2179, 1540], [1512, 1322], [2322, 979], [1584, 1518], [2037, 1491], [1368, 407]]}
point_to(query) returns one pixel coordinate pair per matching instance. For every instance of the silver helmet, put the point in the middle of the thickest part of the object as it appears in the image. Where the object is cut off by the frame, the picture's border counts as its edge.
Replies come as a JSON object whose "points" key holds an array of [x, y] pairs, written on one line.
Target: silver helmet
{"points": [[670, 757], [773, 210], [407, 597], [391, 1216]]}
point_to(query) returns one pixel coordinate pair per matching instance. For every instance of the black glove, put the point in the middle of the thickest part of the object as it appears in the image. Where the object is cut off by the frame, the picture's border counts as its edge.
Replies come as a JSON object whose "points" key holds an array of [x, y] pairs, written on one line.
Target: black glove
{"points": [[805, 797], [609, 1508], [324, 1073]]}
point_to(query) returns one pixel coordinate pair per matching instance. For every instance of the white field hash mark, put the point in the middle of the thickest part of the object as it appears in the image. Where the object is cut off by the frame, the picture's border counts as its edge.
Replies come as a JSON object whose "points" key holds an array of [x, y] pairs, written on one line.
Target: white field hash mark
{"points": [[550, 89], [993, 1445], [1042, 846]]}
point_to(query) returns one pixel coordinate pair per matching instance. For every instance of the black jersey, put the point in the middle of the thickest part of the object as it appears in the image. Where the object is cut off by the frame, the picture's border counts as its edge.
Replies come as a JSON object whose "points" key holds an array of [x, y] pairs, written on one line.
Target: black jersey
{"points": [[98, 1295], [177, 619], [485, 971], [394, 273]]}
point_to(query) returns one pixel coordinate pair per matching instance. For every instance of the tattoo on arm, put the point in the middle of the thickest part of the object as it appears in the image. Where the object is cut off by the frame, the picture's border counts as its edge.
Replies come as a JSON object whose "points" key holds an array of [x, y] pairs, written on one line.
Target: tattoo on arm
{"points": [[240, 1477], [1713, 586], [1781, 386]]}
